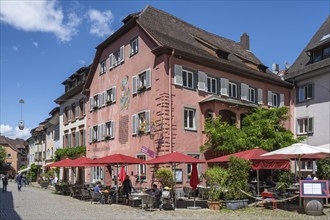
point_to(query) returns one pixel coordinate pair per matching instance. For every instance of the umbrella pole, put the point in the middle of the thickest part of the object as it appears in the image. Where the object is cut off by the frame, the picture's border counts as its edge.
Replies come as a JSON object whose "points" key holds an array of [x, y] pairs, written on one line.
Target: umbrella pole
{"points": [[117, 189], [299, 160], [258, 184], [174, 187]]}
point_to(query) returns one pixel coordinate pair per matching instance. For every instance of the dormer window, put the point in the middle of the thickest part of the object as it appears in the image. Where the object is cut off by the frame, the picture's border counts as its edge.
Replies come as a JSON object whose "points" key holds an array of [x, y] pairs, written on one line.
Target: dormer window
{"points": [[317, 56]]}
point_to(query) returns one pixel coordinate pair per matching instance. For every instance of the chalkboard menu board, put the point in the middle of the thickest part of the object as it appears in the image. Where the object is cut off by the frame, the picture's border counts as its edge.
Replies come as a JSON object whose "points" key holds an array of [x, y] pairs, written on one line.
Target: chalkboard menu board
{"points": [[314, 188]]}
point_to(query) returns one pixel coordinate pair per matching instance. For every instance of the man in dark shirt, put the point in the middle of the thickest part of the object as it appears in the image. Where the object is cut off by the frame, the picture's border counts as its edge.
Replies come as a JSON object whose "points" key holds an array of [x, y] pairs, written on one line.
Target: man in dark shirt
{"points": [[19, 181]]}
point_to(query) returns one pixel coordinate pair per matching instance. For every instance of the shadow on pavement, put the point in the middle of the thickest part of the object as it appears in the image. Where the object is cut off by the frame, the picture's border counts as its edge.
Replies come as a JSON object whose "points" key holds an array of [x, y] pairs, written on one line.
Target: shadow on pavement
{"points": [[7, 209]]}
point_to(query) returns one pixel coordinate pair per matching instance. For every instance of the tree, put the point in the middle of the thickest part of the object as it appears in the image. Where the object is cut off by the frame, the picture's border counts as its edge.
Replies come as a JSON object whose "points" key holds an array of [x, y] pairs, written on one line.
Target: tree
{"points": [[263, 128], [2, 155], [223, 137]]}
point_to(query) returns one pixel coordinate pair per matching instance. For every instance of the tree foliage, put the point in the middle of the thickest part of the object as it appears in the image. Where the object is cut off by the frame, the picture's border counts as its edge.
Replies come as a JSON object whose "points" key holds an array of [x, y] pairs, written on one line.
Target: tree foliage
{"points": [[69, 152], [323, 168], [2, 155], [216, 178], [238, 177], [165, 177], [223, 137], [263, 128]]}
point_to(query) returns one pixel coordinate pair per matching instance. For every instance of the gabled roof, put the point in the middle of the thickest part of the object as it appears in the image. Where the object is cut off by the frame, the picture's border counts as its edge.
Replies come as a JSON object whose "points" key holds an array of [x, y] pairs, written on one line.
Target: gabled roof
{"points": [[16, 144], [171, 33], [302, 65]]}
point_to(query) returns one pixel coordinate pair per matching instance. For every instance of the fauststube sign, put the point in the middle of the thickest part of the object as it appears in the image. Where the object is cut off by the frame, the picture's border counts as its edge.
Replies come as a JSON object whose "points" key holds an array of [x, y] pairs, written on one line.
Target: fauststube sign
{"points": [[147, 151]]}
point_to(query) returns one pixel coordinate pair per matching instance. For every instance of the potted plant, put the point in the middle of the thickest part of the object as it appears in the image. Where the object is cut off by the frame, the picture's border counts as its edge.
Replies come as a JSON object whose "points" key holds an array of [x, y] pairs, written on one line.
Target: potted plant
{"points": [[141, 89], [216, 178], [238, 176]]}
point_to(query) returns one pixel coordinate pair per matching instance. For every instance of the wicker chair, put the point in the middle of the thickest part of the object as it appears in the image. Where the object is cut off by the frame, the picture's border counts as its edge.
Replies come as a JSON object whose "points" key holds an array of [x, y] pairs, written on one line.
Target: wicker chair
{"points": [[96, 197], [188, 192], [84, 194], [66, 190], [58, 189]]}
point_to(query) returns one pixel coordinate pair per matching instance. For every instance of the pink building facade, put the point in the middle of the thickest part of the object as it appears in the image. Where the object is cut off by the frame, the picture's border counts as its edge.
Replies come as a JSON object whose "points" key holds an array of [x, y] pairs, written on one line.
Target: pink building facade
{"points": [[155, 80]]}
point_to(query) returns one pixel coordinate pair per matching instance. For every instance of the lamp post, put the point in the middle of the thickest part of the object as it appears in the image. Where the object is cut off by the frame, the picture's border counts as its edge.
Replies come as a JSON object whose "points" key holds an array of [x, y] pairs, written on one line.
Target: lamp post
{"points": [[21, 122]]}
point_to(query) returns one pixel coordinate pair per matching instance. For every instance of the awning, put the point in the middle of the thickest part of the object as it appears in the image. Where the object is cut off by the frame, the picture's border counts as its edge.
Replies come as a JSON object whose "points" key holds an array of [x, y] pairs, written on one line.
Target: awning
{"points": [[24, 170]]}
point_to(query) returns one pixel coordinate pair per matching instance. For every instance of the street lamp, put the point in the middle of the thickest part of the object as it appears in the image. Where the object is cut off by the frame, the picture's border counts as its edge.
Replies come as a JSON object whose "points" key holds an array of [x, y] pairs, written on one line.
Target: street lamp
{"points": [[21, 122]]}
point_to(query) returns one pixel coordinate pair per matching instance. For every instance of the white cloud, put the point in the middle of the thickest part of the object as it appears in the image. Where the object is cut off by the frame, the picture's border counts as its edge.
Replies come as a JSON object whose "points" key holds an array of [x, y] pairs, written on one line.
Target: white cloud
{"points": [[41, 16], [15, 48], [100, 22], [82, 62], [10, 132], [36, 44]]}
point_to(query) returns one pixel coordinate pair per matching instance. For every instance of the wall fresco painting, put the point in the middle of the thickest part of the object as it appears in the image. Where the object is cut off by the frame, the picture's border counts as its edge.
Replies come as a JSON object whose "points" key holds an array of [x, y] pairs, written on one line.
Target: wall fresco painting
{"points": [[124, 98]]}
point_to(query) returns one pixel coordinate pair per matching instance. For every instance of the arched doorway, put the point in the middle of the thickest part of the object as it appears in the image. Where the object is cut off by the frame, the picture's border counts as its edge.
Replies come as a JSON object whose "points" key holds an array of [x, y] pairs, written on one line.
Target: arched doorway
{"points": [[242, 116], [228, 116]]}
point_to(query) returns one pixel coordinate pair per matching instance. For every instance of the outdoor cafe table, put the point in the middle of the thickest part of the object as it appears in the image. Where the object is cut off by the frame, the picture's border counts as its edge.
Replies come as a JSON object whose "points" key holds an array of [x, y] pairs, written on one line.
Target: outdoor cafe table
{"points": [[141, 196]]}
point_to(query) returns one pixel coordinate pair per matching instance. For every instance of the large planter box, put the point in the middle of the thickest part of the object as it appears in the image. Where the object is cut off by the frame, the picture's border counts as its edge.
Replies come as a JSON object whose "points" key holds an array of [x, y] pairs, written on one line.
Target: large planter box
{"points": [[236, 204]]}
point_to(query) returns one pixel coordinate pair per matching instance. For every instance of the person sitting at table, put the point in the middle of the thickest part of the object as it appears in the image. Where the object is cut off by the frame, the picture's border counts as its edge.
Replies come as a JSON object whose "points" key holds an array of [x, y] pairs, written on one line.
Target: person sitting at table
{"points": [[97, 187], [309, 177], [270, 182], [154, 191]]}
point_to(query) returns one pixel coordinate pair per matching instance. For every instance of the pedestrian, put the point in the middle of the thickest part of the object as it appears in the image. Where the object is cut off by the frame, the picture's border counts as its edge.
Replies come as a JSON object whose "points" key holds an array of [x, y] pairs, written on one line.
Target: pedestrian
{"points": [[23, 180], [4, 183], [19, 182], [127, 187]]}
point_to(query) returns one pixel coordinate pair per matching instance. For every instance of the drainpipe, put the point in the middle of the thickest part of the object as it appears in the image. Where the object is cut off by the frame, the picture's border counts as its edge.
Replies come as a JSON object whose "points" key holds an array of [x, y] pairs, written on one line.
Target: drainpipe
{"points": [[170, 95]]}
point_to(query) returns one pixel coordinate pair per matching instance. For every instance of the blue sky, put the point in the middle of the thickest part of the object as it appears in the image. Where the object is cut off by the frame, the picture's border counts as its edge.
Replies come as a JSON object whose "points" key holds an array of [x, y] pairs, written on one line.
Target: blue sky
{"points": [[42, 43]]}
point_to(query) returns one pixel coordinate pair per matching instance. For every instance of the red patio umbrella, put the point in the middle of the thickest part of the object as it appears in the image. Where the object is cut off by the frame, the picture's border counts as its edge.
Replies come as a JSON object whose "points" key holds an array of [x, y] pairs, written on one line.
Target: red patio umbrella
{"points": [[81, 162], [122, 174], [62, 163], [194, 180], [116, 159]]}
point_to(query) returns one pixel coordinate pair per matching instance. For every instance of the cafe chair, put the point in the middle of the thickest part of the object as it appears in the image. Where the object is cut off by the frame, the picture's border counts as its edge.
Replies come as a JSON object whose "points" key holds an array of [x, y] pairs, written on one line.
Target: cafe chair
{"points": [[268, 197]]}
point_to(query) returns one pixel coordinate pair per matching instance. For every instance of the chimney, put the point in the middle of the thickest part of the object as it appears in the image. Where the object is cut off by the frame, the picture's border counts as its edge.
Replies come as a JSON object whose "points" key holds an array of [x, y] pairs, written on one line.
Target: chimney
{"points": [[275, 68], [245, 41]]}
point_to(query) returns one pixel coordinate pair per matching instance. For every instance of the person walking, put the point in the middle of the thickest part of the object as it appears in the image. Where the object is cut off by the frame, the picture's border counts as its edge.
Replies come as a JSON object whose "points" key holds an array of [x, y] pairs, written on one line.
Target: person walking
{"points": [[23, 180], [19, 182], [127, 187], [4, 183]]}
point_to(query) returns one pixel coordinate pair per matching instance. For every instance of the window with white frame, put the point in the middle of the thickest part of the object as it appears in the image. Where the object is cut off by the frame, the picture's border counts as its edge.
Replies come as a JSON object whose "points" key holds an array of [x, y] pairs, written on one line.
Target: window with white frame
{"points": [[103, 67], [252, 95], [111, 95], [97, 174], [232, 90], [117, 57], [189, 166], [141, 174], [134, 46], [307, 165], [211, 85], [305, 92], [305, 126], [96, 101], [141, 123], [141, 81], [95, 134], [275, 99], [187, 79], [189, 119], [109, 130]]}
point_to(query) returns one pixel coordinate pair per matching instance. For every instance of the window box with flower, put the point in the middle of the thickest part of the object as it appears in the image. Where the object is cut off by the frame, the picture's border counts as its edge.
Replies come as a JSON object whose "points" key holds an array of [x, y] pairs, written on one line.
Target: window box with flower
{"points": [[141, 89]]}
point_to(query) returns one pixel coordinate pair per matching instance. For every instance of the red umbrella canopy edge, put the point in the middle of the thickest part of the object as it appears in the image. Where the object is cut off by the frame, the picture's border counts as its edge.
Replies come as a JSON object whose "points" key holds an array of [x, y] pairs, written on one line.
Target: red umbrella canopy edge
{"points": [[62, 163], [116, 159]]}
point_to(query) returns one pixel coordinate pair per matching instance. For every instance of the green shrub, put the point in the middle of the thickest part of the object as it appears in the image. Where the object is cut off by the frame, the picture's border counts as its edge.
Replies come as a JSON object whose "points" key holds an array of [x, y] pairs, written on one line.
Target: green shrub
{"points": [[165, 177], [323, 168], [238, 177], [216, 178]]}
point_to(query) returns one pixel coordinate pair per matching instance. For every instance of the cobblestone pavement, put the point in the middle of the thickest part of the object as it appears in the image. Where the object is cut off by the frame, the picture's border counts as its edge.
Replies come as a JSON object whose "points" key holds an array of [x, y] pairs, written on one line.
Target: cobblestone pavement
{"points": [[35, 203]]}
